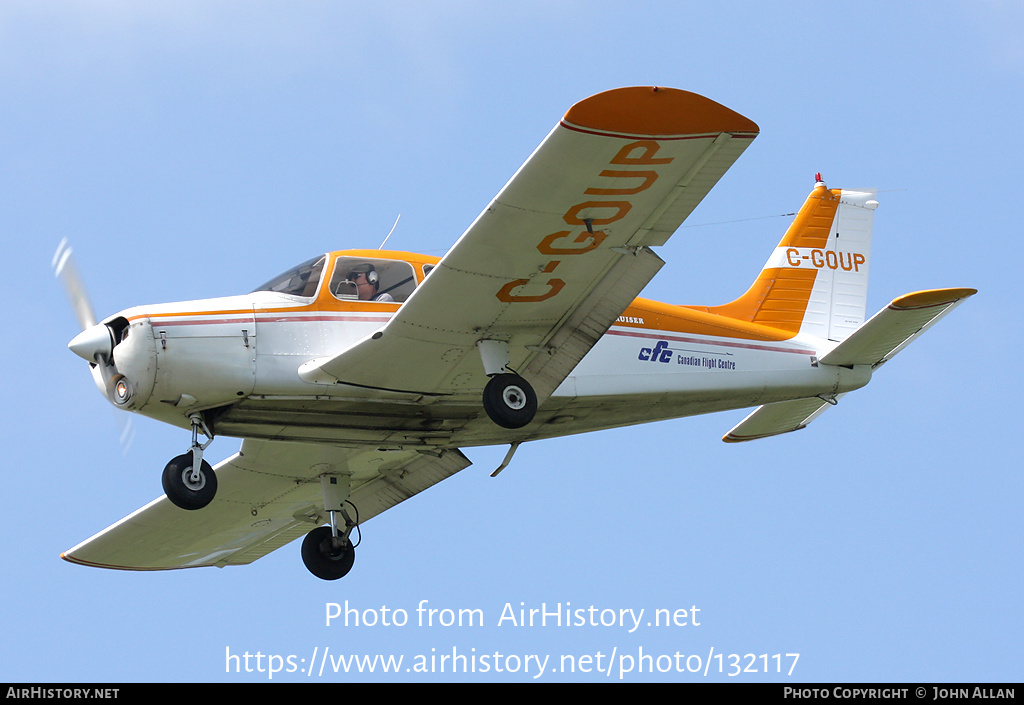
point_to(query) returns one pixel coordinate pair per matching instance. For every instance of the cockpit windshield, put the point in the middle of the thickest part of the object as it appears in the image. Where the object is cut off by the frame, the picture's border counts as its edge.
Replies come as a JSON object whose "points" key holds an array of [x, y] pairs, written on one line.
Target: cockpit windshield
{"points": [[298, 281]]}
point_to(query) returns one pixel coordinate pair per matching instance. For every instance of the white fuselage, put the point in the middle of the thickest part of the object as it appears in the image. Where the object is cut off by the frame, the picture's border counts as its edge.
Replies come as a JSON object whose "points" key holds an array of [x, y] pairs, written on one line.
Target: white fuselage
{"points": [[238, 357]]}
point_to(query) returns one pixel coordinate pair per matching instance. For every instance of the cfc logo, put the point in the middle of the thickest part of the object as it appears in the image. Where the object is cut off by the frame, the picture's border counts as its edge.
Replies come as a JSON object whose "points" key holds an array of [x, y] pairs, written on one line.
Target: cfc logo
{"points": [[659, 353]]}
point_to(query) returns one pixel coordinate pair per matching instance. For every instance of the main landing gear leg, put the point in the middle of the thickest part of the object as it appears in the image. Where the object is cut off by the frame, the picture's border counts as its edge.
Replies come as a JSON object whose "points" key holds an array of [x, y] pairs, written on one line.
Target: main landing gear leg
{"points": [[328, 551], [188, 480]]}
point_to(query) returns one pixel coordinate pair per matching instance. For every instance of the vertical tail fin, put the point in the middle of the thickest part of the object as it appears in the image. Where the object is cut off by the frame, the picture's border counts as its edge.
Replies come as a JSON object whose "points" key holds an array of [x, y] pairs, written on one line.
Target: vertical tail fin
{"points": [[816, 280]]}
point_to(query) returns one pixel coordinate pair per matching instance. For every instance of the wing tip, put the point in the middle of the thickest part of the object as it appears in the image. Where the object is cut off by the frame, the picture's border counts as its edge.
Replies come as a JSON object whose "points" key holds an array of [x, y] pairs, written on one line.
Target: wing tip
{"points": [[67, 556], [735, 438], [655, 111], [109, 566]]}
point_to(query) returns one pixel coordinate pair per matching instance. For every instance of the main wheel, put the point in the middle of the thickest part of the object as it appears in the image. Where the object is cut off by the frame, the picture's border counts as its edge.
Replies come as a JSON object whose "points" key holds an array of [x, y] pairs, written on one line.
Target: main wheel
{"points": [[323, 559], [184, 490], [510, 401]]}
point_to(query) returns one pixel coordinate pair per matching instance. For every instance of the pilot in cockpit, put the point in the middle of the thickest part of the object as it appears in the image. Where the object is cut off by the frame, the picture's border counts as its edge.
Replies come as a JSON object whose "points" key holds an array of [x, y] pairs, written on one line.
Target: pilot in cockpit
{"points": [[367, 283]]}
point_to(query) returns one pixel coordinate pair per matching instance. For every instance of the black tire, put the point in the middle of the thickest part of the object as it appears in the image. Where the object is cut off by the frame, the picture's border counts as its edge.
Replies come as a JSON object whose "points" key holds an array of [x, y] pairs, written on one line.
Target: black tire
{"points": [[322, 559], [510, 401], [181, 490]]}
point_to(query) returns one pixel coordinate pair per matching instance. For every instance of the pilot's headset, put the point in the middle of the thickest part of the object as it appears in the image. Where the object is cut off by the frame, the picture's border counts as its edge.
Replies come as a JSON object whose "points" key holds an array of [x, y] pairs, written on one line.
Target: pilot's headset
{"points": [[369, 271]]}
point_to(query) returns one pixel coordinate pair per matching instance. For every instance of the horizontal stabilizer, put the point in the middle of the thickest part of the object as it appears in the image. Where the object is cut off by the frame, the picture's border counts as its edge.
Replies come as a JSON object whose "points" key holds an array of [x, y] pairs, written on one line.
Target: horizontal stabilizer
{"points": [[878, 340], [779, 417], [894, 327]]}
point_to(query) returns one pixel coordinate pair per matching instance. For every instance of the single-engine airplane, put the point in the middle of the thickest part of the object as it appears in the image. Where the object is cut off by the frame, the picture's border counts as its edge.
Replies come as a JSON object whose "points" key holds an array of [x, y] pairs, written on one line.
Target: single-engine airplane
{"points": [[355, 378]]}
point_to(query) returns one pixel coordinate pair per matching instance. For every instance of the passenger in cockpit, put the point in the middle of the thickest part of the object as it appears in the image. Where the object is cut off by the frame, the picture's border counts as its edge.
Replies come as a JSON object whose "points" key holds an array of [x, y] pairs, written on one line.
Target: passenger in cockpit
{"points": [[367, 282]]}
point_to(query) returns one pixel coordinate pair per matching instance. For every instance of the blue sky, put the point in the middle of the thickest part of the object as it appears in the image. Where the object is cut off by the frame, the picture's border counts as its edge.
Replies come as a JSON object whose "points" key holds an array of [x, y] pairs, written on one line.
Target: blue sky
{"points": [[192, 150]]}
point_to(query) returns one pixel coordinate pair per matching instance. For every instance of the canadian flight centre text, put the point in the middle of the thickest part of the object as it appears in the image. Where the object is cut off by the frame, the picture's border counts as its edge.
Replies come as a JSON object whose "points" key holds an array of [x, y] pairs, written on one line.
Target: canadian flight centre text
{"points": [[610, 662]]}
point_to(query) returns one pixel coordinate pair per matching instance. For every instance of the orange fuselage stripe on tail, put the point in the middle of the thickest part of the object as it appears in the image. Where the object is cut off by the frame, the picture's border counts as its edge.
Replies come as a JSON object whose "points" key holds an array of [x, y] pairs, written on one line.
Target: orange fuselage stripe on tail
{"points": [[778, 298]]}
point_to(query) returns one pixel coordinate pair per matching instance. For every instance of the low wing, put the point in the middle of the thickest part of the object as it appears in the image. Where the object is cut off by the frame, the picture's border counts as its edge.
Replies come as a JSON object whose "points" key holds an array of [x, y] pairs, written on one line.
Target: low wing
{"points": [[873, 344], [269, 495], [560, 252]]}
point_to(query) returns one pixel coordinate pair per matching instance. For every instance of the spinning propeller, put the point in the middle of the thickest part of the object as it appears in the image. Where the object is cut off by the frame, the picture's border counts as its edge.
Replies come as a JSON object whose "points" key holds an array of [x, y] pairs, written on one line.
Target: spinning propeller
{"points": [[95, 343]]}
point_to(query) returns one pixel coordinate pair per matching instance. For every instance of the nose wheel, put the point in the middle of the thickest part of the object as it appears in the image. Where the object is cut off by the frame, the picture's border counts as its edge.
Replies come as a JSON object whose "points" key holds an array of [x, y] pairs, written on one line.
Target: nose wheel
{"points": [[187, 485], [188, 480]]}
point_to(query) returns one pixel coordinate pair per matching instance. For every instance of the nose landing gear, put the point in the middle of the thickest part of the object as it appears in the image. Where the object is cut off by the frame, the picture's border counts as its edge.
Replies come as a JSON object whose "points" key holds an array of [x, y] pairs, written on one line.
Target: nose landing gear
{"points": [[188, 480]]}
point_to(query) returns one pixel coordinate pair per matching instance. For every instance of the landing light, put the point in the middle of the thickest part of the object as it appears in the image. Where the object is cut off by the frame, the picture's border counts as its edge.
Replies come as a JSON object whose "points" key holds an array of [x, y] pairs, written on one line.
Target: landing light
{"points": [[121, 390]]}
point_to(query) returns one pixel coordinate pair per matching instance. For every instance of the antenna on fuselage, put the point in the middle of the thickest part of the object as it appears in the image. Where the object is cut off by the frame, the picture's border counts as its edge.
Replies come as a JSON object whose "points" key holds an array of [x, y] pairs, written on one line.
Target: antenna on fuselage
{"points": [[392, 230]]}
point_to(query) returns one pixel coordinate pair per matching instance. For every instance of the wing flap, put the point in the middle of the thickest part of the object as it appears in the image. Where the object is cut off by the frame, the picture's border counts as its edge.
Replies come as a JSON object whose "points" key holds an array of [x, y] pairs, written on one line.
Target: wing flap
{"points": [[269, 495]]}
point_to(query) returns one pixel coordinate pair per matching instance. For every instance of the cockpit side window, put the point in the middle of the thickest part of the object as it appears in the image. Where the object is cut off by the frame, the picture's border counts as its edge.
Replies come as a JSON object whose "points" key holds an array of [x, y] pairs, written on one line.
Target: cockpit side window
{"points": [[299, 281], [381, 280]]}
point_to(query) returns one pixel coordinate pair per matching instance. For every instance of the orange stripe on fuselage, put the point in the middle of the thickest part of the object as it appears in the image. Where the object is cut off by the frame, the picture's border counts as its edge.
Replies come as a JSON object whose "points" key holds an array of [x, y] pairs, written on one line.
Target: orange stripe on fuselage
{"points": [[648, 315], [302, 312]]}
